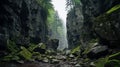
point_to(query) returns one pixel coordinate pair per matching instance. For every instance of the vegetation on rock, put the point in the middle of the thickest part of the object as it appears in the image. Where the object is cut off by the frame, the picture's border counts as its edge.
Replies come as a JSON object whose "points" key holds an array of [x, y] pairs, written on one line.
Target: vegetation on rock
{"points": [[116, 7]]}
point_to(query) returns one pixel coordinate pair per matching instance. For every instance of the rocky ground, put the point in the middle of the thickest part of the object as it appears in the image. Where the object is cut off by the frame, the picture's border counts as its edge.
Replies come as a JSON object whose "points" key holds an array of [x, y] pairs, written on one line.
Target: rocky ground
{"points": [[56, 60]]}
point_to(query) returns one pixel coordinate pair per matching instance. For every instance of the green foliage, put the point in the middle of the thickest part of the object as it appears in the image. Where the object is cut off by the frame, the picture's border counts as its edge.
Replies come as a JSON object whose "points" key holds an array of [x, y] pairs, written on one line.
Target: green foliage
{"points": [[46, 4], [116, 7], [101, 62], [112, 63], [10, 57], [42, 46], [27, 55], [74, 50], [115, 56], [11, 46], [51, 18], [55, 25], [90, 45], [33, 46], [37, 55], [15, 54], [109, 61]]}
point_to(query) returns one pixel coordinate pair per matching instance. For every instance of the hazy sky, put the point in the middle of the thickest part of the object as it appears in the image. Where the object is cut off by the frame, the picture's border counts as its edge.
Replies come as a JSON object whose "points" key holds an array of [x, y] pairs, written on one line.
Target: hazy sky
{"points": [[60, 7]]}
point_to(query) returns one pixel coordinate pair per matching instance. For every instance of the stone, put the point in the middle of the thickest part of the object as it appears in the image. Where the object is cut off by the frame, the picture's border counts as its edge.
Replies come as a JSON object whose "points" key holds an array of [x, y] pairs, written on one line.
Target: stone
{"points": [[97, 51], [60, 57], [53, 44], [108, 32], [55, 61], [45, 60], [92, 64], [80, 22], [77, 65], [19, 22], [20, 61], [27, 55], [41, 48], [71, 56]]}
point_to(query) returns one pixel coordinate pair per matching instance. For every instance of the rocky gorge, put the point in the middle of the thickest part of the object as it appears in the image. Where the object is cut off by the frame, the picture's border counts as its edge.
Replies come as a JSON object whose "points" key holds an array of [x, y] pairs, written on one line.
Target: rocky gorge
{"points": [[93, 34]]}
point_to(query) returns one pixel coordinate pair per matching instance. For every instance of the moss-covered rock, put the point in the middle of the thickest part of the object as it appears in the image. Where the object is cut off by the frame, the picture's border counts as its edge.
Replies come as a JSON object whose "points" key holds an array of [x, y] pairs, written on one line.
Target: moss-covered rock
{"points": [[116, 7], [107, 29], [92, 43], [101, 62], [76, 51], [37, 56], [27, 55], [115, 56], [109, 61], [112, 63], [11, 46], [41, 48], [11, 57]]}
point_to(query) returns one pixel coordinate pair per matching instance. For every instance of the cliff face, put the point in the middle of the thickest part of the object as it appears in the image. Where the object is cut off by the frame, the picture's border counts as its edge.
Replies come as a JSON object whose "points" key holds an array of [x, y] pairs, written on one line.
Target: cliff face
{"points": [[80, 20], [75, 21], [22, 21]]}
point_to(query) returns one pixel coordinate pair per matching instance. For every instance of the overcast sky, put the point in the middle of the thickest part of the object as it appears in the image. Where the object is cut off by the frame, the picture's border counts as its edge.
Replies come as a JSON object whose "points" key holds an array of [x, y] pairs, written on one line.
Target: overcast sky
{"points": [[59, 5]]}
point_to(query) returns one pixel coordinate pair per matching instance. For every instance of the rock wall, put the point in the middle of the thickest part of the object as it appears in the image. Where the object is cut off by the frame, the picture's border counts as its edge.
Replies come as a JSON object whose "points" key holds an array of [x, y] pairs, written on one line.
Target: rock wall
{"points": [[80, 20], [75, 21], [22, 21]]}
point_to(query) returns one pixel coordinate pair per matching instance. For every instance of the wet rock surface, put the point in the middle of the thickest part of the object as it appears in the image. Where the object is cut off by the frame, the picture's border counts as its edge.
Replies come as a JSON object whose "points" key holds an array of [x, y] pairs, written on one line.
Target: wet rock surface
{"points": [[80, 22], [19, 22], [98, 51]]}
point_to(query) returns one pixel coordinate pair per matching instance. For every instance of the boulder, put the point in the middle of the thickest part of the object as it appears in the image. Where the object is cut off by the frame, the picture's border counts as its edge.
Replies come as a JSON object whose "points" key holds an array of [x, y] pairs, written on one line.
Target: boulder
{"points": [[80, 21], [25, 54], [53, 44], [107, 27], [97, 51], [41, 48]]}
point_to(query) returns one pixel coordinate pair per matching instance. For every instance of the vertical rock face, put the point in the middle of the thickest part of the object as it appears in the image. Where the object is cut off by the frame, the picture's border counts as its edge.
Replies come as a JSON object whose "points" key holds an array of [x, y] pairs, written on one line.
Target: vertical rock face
{"points": [[74, 25], [22, 21], [80, 20]]}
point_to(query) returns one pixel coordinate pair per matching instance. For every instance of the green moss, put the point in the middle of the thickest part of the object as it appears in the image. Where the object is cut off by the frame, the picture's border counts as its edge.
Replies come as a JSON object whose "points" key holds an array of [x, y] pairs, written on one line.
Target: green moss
{"points": [[86, 60], [112, 63], [10, 57], [109, 61], [27, 55], [42, 46], [32, 47], [115, 56], [37, 55], [74, 50], [87, 50], [101, 62], [90, 45], [12, 47], [116, 7]]}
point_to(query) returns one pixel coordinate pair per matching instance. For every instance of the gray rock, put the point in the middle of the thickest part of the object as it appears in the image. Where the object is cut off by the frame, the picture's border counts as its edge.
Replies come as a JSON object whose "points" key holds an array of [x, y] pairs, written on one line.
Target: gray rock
{"points": [[80, 21], [53, 44], [77, 65], [92, 64], [55, 61], [98, 51], [22, 21]]}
